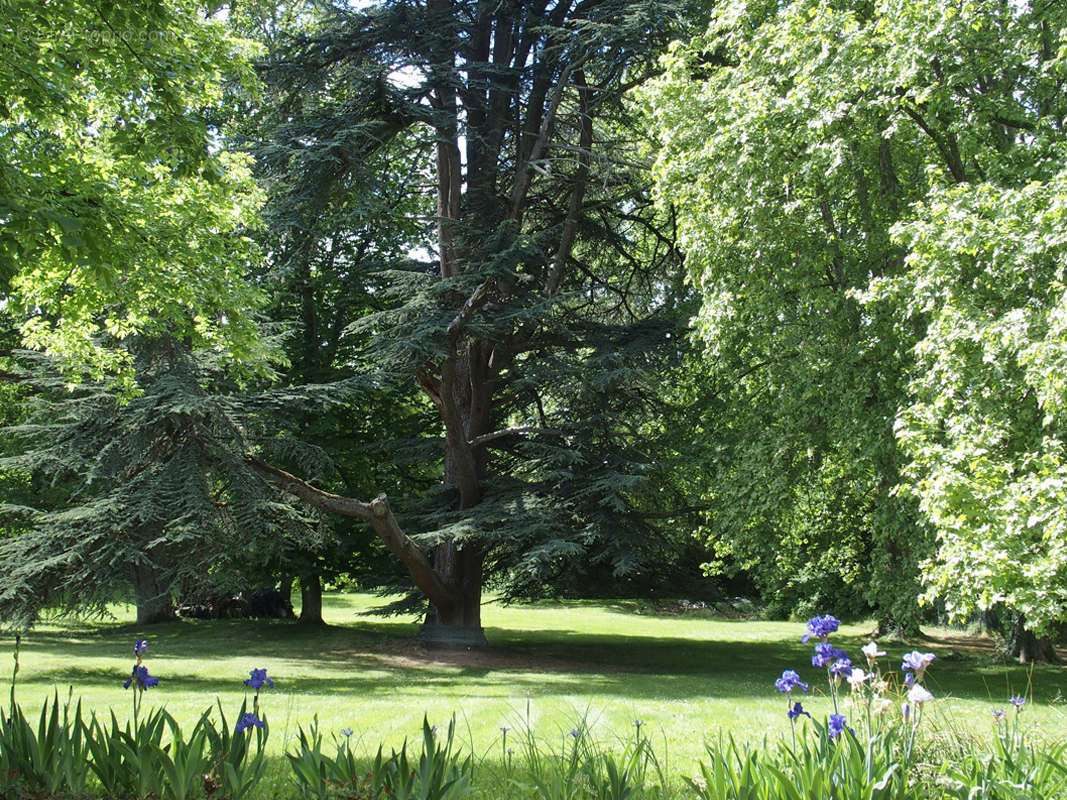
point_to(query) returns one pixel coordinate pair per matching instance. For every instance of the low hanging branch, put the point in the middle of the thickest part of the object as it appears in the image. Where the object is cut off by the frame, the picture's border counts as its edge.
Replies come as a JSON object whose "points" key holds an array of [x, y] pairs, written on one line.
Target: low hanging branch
{"points": [[381, 519]]}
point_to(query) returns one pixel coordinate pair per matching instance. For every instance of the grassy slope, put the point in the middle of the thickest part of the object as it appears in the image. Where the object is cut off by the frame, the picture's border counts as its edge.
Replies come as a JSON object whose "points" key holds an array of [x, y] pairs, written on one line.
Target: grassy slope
{"points": [[685, 677]]}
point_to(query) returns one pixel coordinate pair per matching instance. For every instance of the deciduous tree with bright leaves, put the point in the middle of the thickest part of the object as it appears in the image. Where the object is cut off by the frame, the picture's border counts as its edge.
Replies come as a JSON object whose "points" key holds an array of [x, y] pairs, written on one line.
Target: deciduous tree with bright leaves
{"points": [[873, 200]]}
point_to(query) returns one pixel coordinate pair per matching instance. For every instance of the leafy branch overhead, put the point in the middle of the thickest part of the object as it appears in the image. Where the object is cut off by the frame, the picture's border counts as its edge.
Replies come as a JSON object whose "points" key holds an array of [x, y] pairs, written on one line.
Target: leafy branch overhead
{"points": [[121, 215]]}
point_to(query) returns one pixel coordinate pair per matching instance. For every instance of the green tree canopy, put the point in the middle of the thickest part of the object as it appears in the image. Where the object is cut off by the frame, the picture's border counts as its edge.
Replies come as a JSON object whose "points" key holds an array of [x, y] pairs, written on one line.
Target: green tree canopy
{"points": [[121, 214], [150, 492], [872, 197], [786, 187]]}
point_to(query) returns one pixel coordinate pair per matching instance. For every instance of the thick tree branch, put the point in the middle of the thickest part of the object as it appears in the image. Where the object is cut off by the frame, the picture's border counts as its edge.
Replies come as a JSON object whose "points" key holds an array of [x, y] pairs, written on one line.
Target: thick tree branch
{"points": [[472, 304], [945, 145], [454, 384], [456, 433], [485, 438], [1020, 124], [522, 170], [736, 379], [431, 386], [837, 276], [345, 506], [581, 180], [449, 170], [381, 519]]}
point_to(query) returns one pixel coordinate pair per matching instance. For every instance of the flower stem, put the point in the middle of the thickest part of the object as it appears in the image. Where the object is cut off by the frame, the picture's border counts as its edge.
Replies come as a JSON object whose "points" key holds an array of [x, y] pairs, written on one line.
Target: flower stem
{"points": [[15, 671], [833, 688]]}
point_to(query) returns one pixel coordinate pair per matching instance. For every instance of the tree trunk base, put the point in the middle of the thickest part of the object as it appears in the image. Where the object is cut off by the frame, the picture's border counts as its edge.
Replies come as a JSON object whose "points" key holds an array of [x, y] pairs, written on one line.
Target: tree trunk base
{"points": [[455, 637], [893, 630], [1026, 648], [311, 600], [154, 603], [156, 616]]}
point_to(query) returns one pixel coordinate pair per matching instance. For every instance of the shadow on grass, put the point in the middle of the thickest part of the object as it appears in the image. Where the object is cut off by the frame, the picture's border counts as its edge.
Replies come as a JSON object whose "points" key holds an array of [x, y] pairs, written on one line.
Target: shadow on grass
{"points": [[374, 656]]}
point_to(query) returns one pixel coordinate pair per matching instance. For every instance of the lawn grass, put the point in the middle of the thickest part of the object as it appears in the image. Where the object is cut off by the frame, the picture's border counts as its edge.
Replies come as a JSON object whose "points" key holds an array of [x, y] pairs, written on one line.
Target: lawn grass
{"points": [[687, 677]]}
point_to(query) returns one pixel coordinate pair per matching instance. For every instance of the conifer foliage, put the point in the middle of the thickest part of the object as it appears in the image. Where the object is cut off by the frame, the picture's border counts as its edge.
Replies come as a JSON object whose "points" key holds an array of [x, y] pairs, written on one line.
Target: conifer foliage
{"points": [[538, 332], [153, 491]]}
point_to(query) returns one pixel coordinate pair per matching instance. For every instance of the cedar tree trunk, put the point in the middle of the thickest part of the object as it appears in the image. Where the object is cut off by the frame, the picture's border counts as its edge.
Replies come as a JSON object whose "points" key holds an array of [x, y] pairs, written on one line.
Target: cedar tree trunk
{"points": [[311, 599], [154, 603]]}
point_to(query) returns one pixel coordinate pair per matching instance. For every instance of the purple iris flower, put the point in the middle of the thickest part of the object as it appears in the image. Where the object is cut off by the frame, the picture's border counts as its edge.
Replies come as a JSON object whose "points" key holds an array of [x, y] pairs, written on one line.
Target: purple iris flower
{"points": [[918, 662], [842, 667], [825, 653], [1017, 700], [837, 724], [909, 679], [259, 677], [140, 676], [789, 681], [140, 647], [249, 720], [796, 711], [820, 627]]}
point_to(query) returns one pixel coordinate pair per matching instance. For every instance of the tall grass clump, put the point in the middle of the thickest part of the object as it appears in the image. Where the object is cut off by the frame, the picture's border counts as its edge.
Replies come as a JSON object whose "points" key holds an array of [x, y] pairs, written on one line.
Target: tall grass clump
{"points": [[579, 765], [439, 772], [1015, 768], [49, 758]]}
